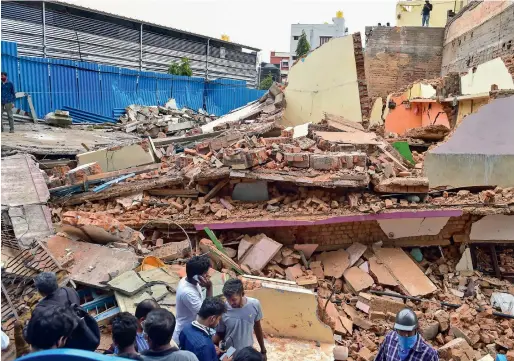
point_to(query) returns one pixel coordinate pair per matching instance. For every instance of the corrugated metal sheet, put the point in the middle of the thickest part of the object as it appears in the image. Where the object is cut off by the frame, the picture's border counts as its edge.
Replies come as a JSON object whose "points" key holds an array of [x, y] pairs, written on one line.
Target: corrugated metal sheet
{"points": [[98, 89], [81, 116], [115, 43]]}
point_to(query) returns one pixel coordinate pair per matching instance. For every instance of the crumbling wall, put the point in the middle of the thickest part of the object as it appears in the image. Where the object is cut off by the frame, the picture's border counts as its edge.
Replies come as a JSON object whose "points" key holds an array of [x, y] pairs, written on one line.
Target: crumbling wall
{"points": [[481, 32], [330, 79], [333, 236], [396, 57]]}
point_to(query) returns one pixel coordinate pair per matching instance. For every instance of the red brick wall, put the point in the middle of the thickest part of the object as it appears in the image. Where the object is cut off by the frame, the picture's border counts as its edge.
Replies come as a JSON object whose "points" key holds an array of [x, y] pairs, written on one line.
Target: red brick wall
{"points": [[398, 56], [361, 76], [483, 40], [333, 236]]}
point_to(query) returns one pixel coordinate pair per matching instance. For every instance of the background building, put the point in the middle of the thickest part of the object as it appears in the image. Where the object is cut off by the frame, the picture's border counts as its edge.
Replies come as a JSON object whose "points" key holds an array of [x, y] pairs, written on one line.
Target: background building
{"points": [[53, 29], [282, 60], [267, 68], [317, 34], [408, 13]]}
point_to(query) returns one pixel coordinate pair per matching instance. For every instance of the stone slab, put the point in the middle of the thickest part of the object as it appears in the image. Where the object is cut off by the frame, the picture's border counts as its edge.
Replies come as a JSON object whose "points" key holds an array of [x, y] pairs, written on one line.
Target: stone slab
{"points": [[261, 253], [358, 279], [335, 262], [30, 222]]}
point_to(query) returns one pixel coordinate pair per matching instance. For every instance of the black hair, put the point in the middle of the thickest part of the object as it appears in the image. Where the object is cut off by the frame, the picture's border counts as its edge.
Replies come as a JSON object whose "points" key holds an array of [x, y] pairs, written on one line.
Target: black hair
{"points": [[248, 354], [4, 73], [46, 283], [197, 266], [145, 306], [130, 356], [212, 306], [124, 329], [232, 287], [50, 325], [159, 326]]}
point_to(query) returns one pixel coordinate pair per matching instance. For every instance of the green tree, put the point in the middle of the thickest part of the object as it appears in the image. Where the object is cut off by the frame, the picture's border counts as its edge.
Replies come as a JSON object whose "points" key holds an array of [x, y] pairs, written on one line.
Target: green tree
{"points": [[266, 83], [303, 46], [183, 68]]}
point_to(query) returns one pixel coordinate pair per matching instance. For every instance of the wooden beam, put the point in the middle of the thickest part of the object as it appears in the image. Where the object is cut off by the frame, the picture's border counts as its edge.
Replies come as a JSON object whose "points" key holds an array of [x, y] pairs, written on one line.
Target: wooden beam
{"points": [[216, 189]]}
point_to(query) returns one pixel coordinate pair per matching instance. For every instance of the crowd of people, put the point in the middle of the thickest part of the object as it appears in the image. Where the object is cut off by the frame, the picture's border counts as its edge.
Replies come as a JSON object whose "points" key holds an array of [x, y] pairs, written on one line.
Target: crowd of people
{"points": [[205, 328]]}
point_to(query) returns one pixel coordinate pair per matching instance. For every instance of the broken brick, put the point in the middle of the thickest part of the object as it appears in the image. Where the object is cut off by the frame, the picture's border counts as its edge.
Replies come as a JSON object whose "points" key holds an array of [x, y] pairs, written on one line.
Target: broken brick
{"points": [[173, 250]]}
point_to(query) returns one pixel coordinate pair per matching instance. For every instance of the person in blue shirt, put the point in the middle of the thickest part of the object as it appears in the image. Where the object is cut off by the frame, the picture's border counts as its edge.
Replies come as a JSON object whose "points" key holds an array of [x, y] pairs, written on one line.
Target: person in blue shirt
{"points": [[8, 98], [197, 336]]}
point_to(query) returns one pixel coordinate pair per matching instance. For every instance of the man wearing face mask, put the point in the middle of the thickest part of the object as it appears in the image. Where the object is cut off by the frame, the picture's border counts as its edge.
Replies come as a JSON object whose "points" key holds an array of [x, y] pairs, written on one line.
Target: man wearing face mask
{"points": [[405, 343]]}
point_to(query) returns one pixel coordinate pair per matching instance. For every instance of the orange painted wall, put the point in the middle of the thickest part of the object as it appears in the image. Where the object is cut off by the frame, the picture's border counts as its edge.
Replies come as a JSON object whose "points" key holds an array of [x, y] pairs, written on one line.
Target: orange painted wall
{"points": [[400, 119]]}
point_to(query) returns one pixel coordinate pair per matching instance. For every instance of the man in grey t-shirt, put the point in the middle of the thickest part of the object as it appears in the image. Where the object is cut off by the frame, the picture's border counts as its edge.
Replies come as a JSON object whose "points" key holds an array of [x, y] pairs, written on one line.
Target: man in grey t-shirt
{"points": [[242, 319], [159, 326]]}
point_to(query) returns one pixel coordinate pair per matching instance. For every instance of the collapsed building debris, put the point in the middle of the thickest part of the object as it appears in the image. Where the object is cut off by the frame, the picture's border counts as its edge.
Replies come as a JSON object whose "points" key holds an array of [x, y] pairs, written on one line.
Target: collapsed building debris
{"points": [[158, 121]]}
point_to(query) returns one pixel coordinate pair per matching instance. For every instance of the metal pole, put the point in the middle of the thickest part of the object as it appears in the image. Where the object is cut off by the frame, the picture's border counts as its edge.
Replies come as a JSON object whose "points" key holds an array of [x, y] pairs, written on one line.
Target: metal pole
{"points": [[44, 30], [141, 48], [207, 60]]}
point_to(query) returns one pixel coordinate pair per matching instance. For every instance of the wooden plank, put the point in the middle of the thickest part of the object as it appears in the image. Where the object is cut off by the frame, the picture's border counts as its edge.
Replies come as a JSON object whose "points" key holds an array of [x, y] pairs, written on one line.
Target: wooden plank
{"points": [[216, 189], [409, 276], [188, 193], [208, 247]]}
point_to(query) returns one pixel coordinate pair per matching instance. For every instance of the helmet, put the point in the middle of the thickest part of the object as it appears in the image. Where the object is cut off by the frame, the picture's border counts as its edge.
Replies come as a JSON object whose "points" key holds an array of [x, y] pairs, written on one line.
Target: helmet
{"points": [[406, 320]]}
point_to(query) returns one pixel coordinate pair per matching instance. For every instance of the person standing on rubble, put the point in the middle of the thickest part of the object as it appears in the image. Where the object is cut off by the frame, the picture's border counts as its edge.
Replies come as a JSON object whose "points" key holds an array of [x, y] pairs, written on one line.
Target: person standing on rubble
{"points": [[425, 13], [189, 293], [242, 319], [405, 343], [8, 98]]}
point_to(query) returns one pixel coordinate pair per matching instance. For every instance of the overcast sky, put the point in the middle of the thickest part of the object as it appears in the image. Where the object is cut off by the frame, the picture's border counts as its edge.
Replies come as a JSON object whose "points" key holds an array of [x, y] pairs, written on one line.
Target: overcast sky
{"points": [[264, 24]]}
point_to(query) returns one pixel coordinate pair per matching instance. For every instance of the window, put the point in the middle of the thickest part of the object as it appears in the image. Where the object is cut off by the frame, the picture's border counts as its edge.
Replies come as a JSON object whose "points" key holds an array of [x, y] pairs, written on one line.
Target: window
{"points": [[222, 53], [285, 63], [296, 37], [324, 39]]}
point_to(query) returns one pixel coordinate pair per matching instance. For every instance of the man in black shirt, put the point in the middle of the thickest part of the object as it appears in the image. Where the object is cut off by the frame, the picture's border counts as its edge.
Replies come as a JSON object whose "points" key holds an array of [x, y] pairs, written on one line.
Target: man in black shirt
{"points": [[425, 13], [47, 286]]}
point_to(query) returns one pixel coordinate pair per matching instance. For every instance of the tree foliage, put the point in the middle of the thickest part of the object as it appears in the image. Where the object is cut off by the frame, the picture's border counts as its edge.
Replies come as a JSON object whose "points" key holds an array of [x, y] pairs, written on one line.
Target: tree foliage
{"points": [[266, 83], [303, 46], [182, 68]]}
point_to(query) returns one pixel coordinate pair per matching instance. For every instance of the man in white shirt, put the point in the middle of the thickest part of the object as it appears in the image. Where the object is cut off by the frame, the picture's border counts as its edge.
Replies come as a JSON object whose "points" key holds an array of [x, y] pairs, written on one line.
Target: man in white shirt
{"points": [[189, 292]]}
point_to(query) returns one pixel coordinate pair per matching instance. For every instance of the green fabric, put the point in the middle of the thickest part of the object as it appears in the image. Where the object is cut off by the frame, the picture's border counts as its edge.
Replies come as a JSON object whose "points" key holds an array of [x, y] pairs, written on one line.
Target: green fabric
{"points": [[404, 150]]}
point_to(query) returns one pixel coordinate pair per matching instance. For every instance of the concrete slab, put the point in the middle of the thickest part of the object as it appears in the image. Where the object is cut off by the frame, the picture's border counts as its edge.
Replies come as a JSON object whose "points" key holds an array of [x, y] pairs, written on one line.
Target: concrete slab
{"points": [[22, 181], [291, 312], [358, 279], [413, 227], [381, 273], [92, 263], [30, 222], [261, 253], [480, 151], [405, 271], [116, 158], [497, 227], [356, 250], [335, 262]]}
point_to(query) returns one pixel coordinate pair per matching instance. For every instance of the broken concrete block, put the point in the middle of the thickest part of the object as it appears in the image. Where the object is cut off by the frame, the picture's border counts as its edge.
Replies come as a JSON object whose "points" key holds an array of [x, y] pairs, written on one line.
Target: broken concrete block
{"points": [[356, 250], [446, 352], [79, 174], [430, 330], [385, 305], [365, 354], [120, 157], [377, 315], [304, 143], [403, 185], [341, 353], [307, 249], [261, 253], [335, 262], [244, 158], [362, 323], [330, 316], [317, 269], [443, 318], [358, 279], [173, 250], [307, 281], [465, 263], [292, 273]]}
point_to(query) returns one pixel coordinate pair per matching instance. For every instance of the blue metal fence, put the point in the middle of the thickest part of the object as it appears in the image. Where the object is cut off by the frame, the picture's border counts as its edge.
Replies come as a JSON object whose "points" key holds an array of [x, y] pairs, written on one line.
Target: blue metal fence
{"points": [[100, 89]]}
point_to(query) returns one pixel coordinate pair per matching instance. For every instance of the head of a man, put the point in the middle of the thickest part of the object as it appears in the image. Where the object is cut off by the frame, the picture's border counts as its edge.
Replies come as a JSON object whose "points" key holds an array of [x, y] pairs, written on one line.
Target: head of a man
{"points": [[406, 326], [159, 326], [124, 330], [197, 266], [144, 308], [248, 354], [46, 283], [233, 291], [211, 311], [427, 1], [52, 327], [4, 76]]}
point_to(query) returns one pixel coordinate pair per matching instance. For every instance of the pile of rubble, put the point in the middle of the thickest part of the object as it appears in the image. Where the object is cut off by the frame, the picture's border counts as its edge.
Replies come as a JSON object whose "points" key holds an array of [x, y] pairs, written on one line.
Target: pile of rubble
{"points": [[159, 121]]}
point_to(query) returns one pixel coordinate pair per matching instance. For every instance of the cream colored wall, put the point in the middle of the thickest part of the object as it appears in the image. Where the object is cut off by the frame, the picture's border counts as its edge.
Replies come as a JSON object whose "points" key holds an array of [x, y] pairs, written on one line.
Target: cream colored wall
{"points": [[375, 117], [410, 12], [466, 107], [485, 75], [324, 81]]}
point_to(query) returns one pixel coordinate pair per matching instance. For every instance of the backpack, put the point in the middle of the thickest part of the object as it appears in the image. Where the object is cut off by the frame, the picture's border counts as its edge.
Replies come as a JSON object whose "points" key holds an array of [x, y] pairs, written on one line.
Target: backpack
{"points": [[85, 336]]}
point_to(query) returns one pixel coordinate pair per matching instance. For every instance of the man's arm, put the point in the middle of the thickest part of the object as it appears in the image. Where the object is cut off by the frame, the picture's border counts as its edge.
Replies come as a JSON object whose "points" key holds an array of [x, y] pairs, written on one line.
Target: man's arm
{"points": [[257, 328], [13, 91]]}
